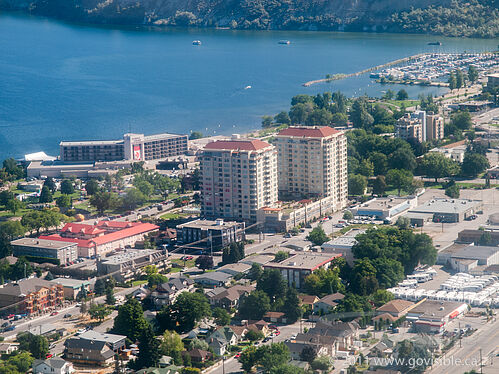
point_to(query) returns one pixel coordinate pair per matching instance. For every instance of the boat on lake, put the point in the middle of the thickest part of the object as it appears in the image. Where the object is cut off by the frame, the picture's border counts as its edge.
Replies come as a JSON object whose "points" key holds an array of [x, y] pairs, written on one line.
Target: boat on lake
{"points": [[196, 42], [284, 42], [435, 43]]}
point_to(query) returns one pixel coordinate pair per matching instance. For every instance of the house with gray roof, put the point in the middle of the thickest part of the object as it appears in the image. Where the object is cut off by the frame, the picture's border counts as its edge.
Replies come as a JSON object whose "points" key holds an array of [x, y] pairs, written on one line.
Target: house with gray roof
{"points": [[214, 279], [166, 293], [54, 365], [93, 348]]}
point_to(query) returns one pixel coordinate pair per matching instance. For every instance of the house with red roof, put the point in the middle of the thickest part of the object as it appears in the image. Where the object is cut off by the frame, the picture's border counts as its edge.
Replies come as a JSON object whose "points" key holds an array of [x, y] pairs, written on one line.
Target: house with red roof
{"points": [[103, 237]]}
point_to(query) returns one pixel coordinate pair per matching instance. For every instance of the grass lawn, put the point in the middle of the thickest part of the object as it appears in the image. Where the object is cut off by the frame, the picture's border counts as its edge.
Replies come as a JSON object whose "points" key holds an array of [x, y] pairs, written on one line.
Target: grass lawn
{"points": [[170, 216], [188, 264], [405, 103], [138, 282]]}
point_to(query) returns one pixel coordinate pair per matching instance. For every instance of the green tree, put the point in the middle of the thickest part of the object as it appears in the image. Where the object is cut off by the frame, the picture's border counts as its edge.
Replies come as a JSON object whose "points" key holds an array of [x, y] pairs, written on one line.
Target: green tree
{"points": [[403, 223], [144, 186], [322, 363], [100, 287], [6, 196], [254, 305], [347, 215], [273, 355], [292, 306], [359, 115], [282, 118], [308, 354], [436, 165], [64, 201], [267, 121], [248, 358], [357, 184], [110, 299], [14, 206], [364, 277], [49, 182], [103, 201], [281, 256], [98, 311], [324, 282], [403, 158], [233, 253], [366, 168], [461, 120], [453, 191], [130, 320], [318, 236], [149, 349], [255, 272], [204, 262], [21, 360], [379, 185], [474, 164], [319, 117], [222, 317], [402, 95], [67, 187], [339, 119], [172, 345], [452, 81], [299, 112], [381, 297], [399, 179], [196, 135], [39, 346], [92, 187], [472, 74], [389, 272], [154, 280], [186, 311], [46, 195], [132, 199], [272, 283]]}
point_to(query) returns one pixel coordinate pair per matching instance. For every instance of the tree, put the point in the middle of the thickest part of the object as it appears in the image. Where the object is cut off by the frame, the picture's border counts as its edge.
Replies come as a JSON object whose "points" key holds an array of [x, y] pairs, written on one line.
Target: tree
{"points": [[267, 121], [186, 311], [273, 355], [381, 297], [98, 311], [347, 215], [339, 119], [144, 186], [39, 346], [461, 120], [379, 185], [233, 253], [366, 168], [399, 179], [402, 95], [436, 165], [255, 272], [130, 320], [204, 262], [324, 281], [222, 317], [308, 354], [92, 187], [403, 223], [292, 306], [14, 205], [132, 199], [460, 80], [472, 74], [110, 299], [49, 182], [46, 195], [172, 345], [319, 117], [453, 191], [322, 363], [474, 164], [254, 335], [364, 280], [452, 81], [286, 369], [154, 280], [102, 201], [83, 307], [282, 118], [318, 236], [254, 305], [64, 201], [357, 184], [6, 196], [299, 112], [389, 94], [67, 187], [359, 115], [149, 349], [403, 158], [248, 358], [281, 256], [100, 287], [389, 272], [272, 283], [196, 135]]}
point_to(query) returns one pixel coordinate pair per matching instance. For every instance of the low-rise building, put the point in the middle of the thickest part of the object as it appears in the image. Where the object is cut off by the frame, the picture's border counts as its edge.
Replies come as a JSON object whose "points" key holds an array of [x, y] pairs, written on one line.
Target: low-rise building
{"points": [[125, 264], [210, 235], [449, 210], [454, 151], [214, 279], [343, 245], [296, 268], [257, 259], [431, 316], [328, 303], [54, 365], [228, 298], [43, 250], [93, 348], [235, 269], [465, 259], [29, 296], [345, 333], [475, 236], [396, 308], [167, 293], [385, 207], [8, 348], [72, 287], [46, 329]]}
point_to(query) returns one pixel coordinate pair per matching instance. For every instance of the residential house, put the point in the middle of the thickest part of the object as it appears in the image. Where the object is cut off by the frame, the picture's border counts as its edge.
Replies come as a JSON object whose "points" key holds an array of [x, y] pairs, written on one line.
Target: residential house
{"points": [[53, 366], [381, 349], [296, 348], [93, 348], [199, 355], [166, 293], [327, 303], [223, 337], [8, 348], [259, 326], [330, 343], [214, 279], [228, 298], [345, 332], [308, 300], [275, 317]]}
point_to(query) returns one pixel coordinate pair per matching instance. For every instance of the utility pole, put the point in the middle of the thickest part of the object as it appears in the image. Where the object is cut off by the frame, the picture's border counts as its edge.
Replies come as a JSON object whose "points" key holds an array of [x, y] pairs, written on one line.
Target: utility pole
{"points": [[481, 366], [223, 363]]}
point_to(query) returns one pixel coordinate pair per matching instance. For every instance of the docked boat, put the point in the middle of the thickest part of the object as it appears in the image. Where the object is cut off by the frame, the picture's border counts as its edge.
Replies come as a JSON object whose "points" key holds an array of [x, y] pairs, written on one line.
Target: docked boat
{"points": [[196, 42], [284, 42], [435, 43]]}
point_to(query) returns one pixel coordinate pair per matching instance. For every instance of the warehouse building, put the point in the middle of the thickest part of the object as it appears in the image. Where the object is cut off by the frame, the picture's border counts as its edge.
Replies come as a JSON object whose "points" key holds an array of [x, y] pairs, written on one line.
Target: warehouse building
{"points": [[449, 210], [431, 316], [385, 207], [467, 258]]}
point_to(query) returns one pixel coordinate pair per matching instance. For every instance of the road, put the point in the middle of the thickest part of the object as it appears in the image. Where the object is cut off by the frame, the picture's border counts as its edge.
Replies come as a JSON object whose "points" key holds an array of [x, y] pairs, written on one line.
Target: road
{"points": [[485, 340]]}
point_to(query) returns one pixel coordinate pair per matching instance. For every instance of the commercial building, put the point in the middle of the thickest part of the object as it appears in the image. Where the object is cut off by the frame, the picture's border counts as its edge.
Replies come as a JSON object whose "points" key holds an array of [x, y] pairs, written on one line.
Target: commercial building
{"points": [[396, 308], [42, 250], [410, 127], [137, 147], [493, 80], [466, 258], [29, 296], [385, 207], [93, 348], [449, 210], [72, 287], [126, 264], [239, 176], [313, 163], [343, 245], [283, 216], [431, 316], [60, 169], [434, 127], [475, 236], [296, 268], [454, 151], [214, 279], [206, 234], [103, 237]]}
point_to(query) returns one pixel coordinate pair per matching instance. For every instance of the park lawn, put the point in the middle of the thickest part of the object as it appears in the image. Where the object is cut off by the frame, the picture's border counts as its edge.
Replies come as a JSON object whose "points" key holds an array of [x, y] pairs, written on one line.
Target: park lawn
{"points": [[405, 103], [168, 216], [138, 282], [8, 214], [464, 185]]}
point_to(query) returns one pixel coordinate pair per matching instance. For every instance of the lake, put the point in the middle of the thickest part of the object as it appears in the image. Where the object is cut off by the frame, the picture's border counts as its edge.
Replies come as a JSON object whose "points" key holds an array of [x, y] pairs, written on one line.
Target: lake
{"points": [[62, 81]]}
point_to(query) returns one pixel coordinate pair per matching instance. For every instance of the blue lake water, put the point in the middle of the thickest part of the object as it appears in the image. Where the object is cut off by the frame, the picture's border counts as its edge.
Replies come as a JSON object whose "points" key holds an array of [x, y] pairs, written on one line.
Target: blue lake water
{"points": [[62, 81]]}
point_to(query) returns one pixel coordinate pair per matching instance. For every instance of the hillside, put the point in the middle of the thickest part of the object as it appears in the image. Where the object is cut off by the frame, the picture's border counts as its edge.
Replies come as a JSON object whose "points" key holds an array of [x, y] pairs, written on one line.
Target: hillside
{"points": [[447, 17]]}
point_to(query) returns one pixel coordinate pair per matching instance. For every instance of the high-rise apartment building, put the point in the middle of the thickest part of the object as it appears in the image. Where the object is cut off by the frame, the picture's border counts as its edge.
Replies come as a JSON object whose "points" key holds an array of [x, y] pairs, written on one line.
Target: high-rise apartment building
{"points": [[434, 127], [239, 176], [313, 163], [409, 127]]}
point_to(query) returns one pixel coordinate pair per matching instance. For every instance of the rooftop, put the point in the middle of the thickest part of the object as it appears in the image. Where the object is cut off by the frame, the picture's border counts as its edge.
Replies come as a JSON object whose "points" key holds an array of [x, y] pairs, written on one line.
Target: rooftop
{"points": [[238, 145], [302, 261], [395, 306], [440, 205], [209, 224], [309, 132], [473, 252], [41, 243], [70, 282], [436, 308], [100, 337], [128, 255], [25, 286], [90, 142]]}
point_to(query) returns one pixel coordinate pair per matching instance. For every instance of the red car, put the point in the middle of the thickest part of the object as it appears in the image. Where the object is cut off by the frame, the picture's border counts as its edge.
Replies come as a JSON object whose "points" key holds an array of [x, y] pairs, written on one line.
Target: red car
{"points": [[277, 332], [54, 313], [10, 316], [237, 355], [49, 355]]}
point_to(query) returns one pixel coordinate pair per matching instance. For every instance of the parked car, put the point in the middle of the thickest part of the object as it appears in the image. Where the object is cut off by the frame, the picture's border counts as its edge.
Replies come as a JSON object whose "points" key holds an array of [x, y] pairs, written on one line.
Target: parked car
{"points": [[10, 328], [54, 313], [67, 315]]}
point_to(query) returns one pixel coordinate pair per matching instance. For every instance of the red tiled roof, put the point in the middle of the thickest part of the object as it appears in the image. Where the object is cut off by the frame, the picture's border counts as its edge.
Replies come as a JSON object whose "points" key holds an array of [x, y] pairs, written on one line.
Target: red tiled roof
{"points": [[243, 145], [309, 132], [137, 228], [82, 228], [117, 224]]}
